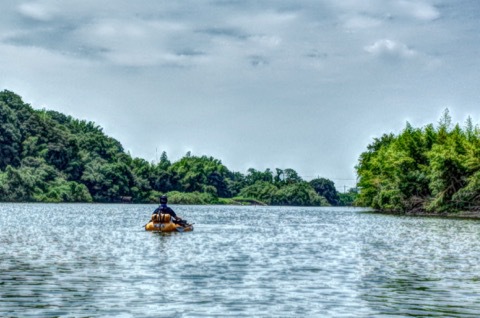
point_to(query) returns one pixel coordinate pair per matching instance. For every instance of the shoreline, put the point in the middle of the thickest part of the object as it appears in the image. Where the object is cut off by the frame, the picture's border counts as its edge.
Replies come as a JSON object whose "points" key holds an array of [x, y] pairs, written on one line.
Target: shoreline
{"points": [[474, 215]]}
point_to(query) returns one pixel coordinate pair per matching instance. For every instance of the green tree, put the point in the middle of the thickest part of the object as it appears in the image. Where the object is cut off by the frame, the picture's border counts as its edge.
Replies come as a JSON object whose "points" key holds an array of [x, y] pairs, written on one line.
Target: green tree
{"points": [[291, 176], [202, 174], [10, 136], [430, 168], [348, 198], [261, 190], [298, 194], [253, 176], [326, 188], [448, 172]]}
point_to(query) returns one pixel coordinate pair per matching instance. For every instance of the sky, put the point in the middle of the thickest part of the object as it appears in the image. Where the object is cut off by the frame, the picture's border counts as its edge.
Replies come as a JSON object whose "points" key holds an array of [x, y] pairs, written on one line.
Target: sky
{"points": [[298, 84]]}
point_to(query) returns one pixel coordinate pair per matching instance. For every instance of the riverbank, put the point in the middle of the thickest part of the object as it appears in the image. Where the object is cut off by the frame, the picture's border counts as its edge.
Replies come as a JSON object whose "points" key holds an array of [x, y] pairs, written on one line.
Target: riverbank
{"points": [[450, 215], [461, 214]]}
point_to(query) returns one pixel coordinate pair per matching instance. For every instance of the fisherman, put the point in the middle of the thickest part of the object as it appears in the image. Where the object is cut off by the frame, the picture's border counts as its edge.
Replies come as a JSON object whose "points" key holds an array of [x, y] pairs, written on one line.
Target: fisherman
{"points": [[164, 209]]}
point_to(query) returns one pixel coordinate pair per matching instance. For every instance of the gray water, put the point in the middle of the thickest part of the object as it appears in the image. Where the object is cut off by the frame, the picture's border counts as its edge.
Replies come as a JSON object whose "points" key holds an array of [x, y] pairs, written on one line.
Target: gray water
{"points": [[91, 260]]}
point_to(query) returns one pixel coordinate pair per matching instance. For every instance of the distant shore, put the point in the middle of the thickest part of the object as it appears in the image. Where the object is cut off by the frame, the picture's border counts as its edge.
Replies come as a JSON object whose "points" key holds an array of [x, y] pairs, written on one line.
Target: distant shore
{"points": [[447, 215]]}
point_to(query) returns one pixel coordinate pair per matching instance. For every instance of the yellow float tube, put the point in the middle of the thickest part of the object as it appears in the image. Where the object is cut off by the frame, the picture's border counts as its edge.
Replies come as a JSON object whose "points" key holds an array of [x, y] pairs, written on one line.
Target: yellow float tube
{"points": [[163, 223]]}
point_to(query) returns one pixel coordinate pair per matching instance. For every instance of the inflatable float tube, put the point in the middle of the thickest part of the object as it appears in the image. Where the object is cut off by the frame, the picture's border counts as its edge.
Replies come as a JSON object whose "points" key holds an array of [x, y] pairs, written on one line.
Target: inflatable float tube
{"points": [[163, 223]]}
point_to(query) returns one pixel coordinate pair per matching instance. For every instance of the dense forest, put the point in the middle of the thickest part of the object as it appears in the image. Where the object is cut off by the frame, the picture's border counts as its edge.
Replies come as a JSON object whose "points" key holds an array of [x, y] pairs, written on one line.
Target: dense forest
{"points": [[46, 156], [431, 169]]}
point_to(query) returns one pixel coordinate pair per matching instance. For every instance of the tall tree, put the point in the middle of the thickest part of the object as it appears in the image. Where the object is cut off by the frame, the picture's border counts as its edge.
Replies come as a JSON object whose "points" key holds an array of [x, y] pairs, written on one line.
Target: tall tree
{"points": [[326, 188], [430, 168]]}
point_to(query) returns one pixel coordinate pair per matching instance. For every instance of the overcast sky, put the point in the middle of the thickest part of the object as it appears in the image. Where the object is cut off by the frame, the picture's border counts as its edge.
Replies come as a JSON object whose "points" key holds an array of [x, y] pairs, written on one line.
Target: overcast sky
{"points": [[299, 84]]}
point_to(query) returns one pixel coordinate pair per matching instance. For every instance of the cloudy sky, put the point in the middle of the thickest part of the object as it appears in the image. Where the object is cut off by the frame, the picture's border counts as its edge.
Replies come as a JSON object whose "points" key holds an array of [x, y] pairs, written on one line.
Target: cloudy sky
{"points": [[299, 84]]}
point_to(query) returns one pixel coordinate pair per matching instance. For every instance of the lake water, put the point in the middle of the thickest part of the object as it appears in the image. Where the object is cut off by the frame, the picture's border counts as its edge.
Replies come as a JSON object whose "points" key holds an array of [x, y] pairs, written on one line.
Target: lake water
{"points": [[92, 260]]}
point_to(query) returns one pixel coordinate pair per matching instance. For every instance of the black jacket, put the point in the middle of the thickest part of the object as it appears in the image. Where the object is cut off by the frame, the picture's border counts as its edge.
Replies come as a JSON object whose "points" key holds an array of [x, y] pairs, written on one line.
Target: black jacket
{"points": [[165, 210]]}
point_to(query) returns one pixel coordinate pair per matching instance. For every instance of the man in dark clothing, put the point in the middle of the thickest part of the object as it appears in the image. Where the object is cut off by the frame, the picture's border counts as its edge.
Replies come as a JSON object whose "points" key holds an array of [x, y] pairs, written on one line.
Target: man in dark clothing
{"points": [[163, 208]]}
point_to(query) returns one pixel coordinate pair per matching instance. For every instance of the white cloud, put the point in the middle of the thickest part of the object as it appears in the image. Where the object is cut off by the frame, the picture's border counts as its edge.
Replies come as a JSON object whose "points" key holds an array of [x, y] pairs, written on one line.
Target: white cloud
{"points": [[419, 9], [358, 11], [290, 68], [271, 23], [37, 11], [137, 42], [358, 21], [390, 48], [266, 41]]}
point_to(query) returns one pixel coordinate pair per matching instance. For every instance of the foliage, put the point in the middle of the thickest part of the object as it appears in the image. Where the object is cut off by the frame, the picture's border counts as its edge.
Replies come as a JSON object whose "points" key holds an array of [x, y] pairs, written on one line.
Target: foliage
{"points": [[326, 188], [348, 198], [427, 169], [202, 174], [46, 156], [196, 197], [260, 190], [300, 194]]}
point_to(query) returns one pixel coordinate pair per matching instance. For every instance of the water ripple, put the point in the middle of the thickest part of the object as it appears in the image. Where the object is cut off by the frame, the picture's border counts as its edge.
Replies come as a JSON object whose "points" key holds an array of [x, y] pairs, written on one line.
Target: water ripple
{"points": [[92, 260]]}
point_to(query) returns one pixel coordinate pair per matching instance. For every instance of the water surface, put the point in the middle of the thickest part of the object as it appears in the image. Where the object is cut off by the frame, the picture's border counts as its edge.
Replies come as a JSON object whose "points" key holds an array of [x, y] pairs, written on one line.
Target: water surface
{"points": [[93, 260]]}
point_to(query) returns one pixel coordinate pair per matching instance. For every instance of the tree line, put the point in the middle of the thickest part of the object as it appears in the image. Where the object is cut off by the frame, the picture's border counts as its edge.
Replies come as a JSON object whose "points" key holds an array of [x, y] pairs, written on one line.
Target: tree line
{"points": [[46, 156], [435, 168]]}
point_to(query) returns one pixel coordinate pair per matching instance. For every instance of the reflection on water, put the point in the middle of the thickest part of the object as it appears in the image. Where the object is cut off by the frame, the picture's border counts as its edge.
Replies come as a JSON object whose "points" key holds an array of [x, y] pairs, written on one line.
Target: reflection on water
{"points": [[422, 267], [92, 260]]}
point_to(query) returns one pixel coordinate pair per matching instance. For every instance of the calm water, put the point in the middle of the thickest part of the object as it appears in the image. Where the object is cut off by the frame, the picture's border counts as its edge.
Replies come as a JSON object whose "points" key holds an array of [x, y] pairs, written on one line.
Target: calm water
{"points": [[97, 261]]}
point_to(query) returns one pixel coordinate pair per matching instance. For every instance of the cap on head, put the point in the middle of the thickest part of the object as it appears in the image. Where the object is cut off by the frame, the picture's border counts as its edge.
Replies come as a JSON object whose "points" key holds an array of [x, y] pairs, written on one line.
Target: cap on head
{"points": [[163, 199]]}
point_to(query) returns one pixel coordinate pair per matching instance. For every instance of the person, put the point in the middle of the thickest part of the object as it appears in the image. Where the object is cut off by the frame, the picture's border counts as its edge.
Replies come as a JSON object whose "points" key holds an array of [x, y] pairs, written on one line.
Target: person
{"points": [[163, 208]]}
